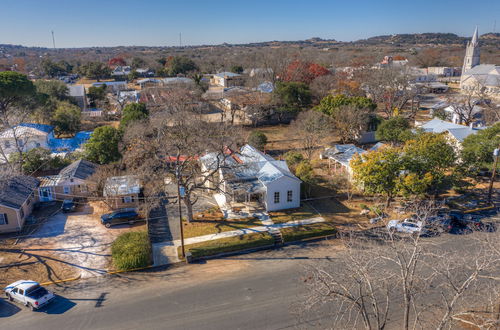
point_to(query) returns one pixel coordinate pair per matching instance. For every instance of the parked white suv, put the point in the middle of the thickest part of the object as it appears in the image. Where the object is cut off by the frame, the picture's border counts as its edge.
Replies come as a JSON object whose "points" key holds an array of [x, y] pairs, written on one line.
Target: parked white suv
{"points": [[29, 293], [407, 226]]}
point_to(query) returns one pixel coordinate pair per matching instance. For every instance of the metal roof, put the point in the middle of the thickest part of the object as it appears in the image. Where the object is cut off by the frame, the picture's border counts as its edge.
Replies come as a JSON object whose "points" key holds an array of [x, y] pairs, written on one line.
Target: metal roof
{"points": [[81, 169], [122, 185], [15, 191]]}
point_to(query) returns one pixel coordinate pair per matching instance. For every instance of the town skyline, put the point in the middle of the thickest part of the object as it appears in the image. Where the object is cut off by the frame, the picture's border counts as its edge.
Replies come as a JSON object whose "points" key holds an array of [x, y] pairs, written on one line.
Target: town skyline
{"points": [[204, 24]]}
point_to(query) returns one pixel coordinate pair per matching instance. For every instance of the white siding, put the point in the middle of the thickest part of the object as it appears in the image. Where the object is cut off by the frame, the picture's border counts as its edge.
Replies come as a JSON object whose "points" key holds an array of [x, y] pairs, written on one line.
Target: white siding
{"points": [[283, 185]]}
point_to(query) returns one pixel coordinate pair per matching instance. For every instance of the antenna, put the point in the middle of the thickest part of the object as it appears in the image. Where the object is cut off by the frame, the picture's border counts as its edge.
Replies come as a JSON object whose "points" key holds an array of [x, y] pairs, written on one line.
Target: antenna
{"points": [[53, 40], [180, 39], [495, 26]]}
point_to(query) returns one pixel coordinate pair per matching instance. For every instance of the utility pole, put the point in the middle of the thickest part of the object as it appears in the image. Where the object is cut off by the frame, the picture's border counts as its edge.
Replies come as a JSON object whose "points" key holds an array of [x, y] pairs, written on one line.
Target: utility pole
{"points": [[180, 39], [493, 173], [180, 213], [53, 39]]}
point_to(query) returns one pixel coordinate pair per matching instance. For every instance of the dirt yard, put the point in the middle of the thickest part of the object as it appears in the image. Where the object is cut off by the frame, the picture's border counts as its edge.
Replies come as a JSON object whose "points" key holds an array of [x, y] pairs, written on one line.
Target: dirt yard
{"points": [[66, 245]]}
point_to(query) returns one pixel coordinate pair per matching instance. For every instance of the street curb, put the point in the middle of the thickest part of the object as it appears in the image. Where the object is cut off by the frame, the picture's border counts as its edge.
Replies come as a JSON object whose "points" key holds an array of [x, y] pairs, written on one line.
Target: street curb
{"points": [[129, 270], [62, 281]]}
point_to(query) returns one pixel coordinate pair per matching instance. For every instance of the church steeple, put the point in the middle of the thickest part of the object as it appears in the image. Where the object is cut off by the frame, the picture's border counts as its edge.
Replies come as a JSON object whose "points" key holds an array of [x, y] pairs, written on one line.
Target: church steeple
{"points": [[471, 53]]}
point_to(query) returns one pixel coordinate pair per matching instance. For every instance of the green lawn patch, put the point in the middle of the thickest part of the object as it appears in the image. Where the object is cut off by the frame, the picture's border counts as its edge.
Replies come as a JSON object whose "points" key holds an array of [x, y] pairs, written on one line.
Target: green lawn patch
{"points": [[301, 213], [200, 227], [131, 250], [229, 244], [297, 233]]}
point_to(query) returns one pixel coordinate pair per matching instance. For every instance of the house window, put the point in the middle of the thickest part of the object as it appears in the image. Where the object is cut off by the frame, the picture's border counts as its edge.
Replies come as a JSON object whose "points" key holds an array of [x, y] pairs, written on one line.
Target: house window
{"points": [[67, 190], [276, 197], [3, 219], [289, 196], [21, 213], [127, 199]]}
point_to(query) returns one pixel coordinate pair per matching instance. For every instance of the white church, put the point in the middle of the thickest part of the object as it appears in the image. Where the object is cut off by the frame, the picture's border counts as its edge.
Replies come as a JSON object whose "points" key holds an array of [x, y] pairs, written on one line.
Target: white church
{"points": [[476, 76]]}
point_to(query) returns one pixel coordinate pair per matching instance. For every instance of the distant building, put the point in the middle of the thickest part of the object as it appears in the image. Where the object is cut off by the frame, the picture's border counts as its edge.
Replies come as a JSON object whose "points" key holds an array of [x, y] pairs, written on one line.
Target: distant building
{"points": [[479, 77], [112, 86], [226, 79], [443, 71], [121, 71], [456, 133], [78, 93], [341, 155]]}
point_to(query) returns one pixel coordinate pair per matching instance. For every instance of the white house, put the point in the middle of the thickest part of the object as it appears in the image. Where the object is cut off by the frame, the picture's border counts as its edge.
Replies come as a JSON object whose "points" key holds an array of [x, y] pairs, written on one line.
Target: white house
{"points": [[25, 137], [252, 176], [341, 155], [456, 133], [226, 79], [78, 93]]}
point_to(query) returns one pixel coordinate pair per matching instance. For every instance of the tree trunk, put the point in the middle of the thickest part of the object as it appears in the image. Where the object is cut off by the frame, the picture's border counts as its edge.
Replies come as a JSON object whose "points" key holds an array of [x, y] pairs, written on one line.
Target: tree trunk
{"points": [[189, 209]]}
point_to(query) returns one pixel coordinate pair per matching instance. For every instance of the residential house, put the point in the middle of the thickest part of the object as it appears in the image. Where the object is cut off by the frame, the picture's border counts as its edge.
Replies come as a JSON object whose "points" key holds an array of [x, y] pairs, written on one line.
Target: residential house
{"points": [[455, 132], [25, 137], [227, 79], [341, 155], [112, 86], [121, 71], [122, 191], [177, 81], [78, 93], [148, 82], [253, 177], [17, 197], [73, 181], [145, 72], [455, 114]]}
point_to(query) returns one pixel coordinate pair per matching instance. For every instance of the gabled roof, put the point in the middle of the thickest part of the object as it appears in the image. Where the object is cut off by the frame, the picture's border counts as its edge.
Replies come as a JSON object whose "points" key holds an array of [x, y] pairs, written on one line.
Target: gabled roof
{"points": [[81, 169], [459, 132], [27, 130], [16, 190], [343, 153], [250, 164]]}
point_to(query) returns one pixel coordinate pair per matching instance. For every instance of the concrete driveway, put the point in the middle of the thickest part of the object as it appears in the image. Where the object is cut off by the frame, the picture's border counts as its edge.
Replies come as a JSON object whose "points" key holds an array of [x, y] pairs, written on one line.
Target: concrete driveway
{"points": [[78, 240]]}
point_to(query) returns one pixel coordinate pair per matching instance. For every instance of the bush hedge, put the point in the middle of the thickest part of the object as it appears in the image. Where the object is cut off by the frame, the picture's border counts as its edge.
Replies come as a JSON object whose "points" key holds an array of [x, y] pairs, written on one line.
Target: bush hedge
{"points": [[131, 250]]}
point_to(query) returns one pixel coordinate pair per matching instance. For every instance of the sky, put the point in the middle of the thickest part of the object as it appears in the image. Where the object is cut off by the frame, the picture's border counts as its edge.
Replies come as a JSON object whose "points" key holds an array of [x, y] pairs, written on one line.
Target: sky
{"points": [[85, 23]]}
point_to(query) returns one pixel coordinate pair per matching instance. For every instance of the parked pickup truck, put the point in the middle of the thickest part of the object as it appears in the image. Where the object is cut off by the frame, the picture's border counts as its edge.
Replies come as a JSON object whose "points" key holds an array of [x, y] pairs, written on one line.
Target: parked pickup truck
{"points": [[29, 293]]}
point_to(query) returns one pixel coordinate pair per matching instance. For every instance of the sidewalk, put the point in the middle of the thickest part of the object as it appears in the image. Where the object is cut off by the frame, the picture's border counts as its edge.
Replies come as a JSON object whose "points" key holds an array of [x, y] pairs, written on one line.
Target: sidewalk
{"points": [[239, 232]]}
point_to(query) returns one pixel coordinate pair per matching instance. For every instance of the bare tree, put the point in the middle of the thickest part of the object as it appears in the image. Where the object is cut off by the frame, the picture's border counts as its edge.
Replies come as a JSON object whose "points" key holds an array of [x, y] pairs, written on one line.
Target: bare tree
{"points": [[170, 145], [411, 281], [311, 127], [391, 88]]}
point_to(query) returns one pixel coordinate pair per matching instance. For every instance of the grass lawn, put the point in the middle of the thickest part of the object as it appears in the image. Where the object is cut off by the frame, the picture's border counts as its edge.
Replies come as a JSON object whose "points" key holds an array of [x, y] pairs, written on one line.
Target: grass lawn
{"points": [[300, 232], [301, 213], [212, 222], [228, 244]]}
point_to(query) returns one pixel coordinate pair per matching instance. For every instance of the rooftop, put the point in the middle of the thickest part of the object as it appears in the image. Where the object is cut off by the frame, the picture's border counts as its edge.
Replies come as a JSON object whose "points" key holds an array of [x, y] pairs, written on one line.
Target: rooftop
{"points": [[16, 190], [122, 185]]}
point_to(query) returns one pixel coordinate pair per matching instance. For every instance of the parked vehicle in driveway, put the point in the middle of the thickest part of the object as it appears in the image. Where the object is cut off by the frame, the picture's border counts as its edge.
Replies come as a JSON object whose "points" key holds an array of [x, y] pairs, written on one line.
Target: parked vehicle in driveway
{"points": [[438, 224], [29, 293], [121, 216], [68, 205], [407, 226], [469, 221]]}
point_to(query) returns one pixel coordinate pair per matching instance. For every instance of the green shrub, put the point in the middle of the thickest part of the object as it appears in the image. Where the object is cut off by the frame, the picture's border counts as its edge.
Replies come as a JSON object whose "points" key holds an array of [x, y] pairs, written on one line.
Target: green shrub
{"points": [[131, 250], [364, 206]]}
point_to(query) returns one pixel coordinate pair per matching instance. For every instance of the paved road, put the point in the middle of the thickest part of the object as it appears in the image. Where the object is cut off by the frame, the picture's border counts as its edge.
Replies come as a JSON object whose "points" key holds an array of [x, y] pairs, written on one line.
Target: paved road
{"points": [[254, 291]]}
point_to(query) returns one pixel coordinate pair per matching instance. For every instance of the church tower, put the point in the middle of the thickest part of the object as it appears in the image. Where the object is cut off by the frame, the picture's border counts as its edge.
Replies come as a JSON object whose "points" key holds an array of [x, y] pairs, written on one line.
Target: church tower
{"points": [[472, 53]]}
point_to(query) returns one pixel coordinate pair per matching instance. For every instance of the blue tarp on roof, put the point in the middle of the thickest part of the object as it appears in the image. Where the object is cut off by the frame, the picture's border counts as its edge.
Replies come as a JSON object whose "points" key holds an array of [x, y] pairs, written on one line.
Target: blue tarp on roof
{"points": [[68, 145]]}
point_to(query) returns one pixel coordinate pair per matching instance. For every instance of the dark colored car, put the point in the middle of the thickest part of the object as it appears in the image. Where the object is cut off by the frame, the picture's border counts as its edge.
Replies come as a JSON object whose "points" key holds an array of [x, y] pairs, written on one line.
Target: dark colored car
{"points": [[436, 225], [466, 221], [120, 217], [68, 205]]}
